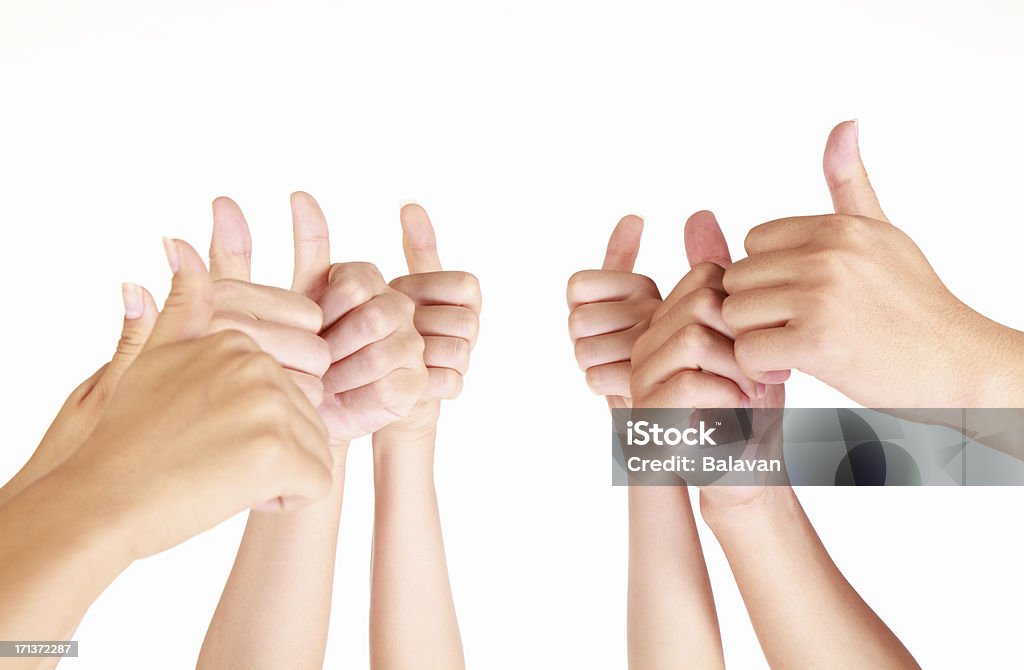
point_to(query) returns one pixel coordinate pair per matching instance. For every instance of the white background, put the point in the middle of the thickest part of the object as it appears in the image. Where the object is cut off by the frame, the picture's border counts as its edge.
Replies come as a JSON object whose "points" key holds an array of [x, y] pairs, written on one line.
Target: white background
{"points": [[526, 130]]}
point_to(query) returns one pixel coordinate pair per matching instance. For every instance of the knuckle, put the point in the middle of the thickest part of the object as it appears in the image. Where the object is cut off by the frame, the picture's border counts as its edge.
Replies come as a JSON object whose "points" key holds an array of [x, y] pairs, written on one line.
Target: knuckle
{"points": [[729, 279], [261, 365], [231, 340], [310, 314], [846, 229], [584, 350], [374, 320], [825, 260], [467, 284], [693, 336], [595, 377], [451, 383], [366, 274], [704, 301], [375, 359], [348, 282], [406, 305], [648, 286], [270, 404], [708, 273], [577, 282], [743, 349], [731, 308], [321, 356], [221, 321], [579, 318]]}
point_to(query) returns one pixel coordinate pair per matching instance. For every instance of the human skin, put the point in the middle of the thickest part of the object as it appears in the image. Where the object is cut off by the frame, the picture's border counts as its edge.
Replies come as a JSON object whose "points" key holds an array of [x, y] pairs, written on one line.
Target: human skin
{"points": [[275, 608], [198, 428], [412, 614], [671, 618], [850, 299], [82, 410], [805, 613]]}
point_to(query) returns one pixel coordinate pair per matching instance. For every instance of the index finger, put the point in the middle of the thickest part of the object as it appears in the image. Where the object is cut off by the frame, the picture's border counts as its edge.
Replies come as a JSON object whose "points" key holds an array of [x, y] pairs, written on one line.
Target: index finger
{"points": [[782, 233]]}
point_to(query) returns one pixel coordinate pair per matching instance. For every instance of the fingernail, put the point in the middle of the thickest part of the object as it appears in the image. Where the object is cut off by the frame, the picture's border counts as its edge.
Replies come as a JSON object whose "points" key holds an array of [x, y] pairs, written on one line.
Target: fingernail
{"points": [[173, 259], [775, 376], [856, 129], [132, 296], [760, 391]]}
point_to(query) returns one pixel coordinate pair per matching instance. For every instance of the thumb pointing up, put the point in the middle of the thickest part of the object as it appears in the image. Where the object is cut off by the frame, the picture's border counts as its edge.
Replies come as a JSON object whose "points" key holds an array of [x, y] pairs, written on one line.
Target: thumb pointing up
{"points": [[312, 246], [704, 240], [705, 243], [846, 177], [189, 306], [418, 240], [140, 314]]}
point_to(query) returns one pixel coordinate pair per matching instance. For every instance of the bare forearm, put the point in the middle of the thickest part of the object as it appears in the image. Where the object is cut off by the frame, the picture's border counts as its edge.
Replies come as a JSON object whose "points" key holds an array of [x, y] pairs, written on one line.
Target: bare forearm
{"points": [[671, 616], [59, 552], [804, 611], [276, 605], [993, 373], [412, 615]]}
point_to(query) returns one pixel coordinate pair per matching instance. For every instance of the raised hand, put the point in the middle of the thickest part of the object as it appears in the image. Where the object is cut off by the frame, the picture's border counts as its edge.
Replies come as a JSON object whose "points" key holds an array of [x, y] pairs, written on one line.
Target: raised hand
{"points": [[377, 372], [285, 324], [609, 309], [199, 428], [447, 315], [412, 614], [850, 299], [685, 358]]}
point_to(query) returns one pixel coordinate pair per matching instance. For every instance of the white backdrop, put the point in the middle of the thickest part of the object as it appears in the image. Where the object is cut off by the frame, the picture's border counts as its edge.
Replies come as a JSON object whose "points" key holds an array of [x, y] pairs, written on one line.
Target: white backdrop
{"points": [[526, 129]]}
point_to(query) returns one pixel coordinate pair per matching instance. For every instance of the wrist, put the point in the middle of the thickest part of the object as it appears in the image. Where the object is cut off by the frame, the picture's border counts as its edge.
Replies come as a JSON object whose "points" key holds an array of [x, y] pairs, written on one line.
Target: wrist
{"points": [[416, 431], [98, 514], [725, 513], [991, 374], [63, 509]]}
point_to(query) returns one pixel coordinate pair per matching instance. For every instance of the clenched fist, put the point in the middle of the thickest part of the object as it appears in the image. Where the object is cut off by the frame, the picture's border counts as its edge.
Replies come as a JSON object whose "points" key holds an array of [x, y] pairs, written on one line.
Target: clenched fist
{"points": [[685, 359], [376, 372], [199, 428], [850, 299], [285, 324], [609, 309], [447, 314]]}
